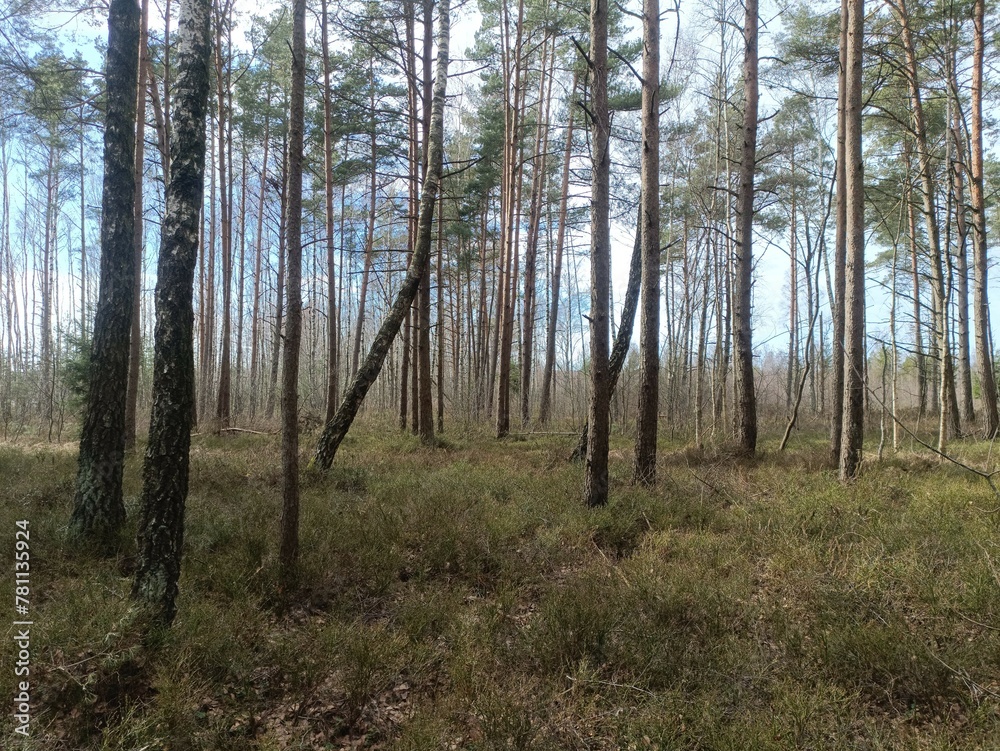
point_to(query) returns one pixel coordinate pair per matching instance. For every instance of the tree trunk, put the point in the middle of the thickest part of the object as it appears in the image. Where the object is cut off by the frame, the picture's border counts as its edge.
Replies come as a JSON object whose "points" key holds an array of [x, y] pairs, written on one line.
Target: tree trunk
{"points": [[98, 507], [510, 211], [255, 365], [854, 300], [332, 324], [165, 470], [623, 337], [840, 249], [369, 245], [980, 294], [279, 291], [336, 429], [918, 336], [425, 406], [649, 229], [745, 400], [288, 552], [529, 305], [948, 415], [549, 371], [223, 405], [135, 346]]}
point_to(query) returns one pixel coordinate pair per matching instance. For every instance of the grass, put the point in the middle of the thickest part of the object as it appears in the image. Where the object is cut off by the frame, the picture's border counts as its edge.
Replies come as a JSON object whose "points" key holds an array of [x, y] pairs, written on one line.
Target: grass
{"points": [[463, 597]]}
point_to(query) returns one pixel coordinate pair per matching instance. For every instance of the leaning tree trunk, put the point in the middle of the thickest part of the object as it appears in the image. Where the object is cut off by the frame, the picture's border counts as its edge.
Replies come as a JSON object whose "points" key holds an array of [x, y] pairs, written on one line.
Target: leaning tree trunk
{"points": [[623, 338], [336, 429], [98, 507], [165, 471]]}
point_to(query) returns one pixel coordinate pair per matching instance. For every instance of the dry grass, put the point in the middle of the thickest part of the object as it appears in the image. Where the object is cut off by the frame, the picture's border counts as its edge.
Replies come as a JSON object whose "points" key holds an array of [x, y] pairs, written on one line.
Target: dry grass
{"points": [[463, 597]]}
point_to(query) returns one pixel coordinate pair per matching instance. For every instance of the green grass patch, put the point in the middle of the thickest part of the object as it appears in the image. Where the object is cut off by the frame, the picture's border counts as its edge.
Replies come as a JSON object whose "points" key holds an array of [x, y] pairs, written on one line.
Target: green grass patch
{"points": [[463, 597]]}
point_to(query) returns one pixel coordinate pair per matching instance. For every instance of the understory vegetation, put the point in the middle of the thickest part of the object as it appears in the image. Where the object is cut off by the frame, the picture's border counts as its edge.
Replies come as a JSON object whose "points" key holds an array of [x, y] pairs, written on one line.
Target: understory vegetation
{"points": [[463, 597]]}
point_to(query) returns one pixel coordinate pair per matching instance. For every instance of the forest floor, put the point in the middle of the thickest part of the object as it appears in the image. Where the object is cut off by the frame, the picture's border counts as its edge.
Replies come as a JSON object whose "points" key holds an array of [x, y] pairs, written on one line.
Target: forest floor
{"points": [[464, 598]]}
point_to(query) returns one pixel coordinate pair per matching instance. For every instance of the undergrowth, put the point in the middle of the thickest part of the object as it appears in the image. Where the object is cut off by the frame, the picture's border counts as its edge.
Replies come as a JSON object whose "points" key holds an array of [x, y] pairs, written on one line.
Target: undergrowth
{"points": [[463, 597]]}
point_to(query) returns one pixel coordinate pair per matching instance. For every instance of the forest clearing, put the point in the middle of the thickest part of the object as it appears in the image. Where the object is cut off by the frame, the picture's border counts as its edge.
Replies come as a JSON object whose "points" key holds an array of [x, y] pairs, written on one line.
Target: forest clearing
{"points": [[463, 597]]}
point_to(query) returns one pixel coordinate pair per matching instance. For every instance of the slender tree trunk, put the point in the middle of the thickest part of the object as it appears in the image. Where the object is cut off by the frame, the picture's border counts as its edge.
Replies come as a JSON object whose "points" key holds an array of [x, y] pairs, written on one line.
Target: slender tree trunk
{"points": [[596, 477], [135, 347], [223, 405], [980, 294], [529, 305], [165, 470], [439, 324], [411, 90], [255, 365], [968, 413], [854, 301], [793, 296], [510, 210], [549, 371], [918, 335], [332, 324], [948, 415], [649, 337], [840, 248], [623, 337], [84, 316], [241, 278], [336, 429], [98, 507], [745, 400], [369, 239], [208, 300], [425, 406], [288, 552], [279, 291]]}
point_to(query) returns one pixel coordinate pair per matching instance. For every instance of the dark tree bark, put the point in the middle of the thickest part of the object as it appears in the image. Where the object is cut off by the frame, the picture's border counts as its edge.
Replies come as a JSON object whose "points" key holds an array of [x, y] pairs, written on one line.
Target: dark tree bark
{"points": [[596, 477], [336, 429], [288, 553], [649, 336], [745, 399], [98, 508], [165, 471], [510, 202]]}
